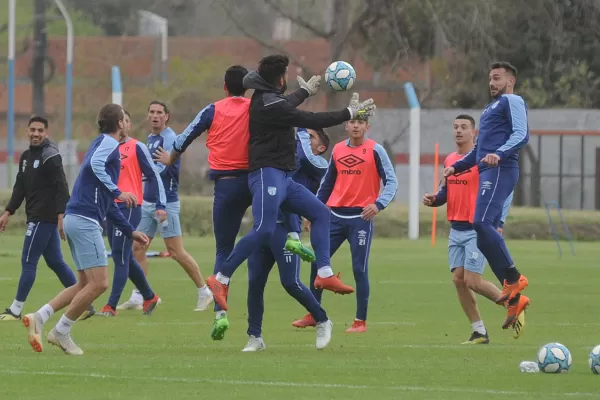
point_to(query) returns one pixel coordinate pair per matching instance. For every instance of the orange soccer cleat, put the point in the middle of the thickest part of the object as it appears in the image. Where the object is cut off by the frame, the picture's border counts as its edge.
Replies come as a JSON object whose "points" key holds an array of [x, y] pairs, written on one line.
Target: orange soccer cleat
{"points": [[334, 284], [357, 327], [514, 310], [305, 322], [509, 291], [219, 291]]}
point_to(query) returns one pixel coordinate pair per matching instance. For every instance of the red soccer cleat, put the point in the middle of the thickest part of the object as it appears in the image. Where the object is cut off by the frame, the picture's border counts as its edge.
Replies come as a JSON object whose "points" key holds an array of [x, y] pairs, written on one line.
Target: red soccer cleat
{"points": [[150, 305], [513, 311], [334, 284], [357, 327], [219, 291], [305, 322]]}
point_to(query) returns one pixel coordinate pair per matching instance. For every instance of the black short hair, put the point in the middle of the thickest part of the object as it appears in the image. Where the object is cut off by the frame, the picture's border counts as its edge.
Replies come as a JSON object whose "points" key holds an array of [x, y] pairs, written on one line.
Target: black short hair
{"points": [[37, 118], [324, 138], [508, 67], [109, 117], [272, 68], [234, 78], [164, 106], [468, 118]]}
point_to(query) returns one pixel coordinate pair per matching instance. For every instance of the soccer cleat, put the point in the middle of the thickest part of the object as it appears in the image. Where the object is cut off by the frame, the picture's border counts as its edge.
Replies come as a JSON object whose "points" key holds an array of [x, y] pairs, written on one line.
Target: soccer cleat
{"points": [[514, 310], [65, 342], [219, 328], [89, 313], [305, 322], [107, 311], [509, 291], [519, 325], [357, 327], [204, 300], [34, 325], [297, 247], [334, 284], [255, 344], [219, 291], [150, 305], [478, 338], [130, 305], [8, 315], [324, 334]]}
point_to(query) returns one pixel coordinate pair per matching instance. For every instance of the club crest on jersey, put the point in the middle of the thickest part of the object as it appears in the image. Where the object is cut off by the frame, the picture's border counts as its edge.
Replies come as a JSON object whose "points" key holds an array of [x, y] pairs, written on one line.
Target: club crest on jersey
{"points": [[36, 163], [272, 190]]}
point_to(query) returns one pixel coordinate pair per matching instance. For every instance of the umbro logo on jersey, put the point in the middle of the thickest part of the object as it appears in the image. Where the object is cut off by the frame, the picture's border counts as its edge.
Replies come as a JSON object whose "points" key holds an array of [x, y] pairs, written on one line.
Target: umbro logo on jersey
{"points": [[350, 161]]}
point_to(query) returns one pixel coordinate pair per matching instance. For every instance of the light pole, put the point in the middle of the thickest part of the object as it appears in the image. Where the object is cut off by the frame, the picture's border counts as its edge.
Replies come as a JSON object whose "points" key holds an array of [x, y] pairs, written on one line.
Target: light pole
{"points": [[69, 69], [11, 91]]}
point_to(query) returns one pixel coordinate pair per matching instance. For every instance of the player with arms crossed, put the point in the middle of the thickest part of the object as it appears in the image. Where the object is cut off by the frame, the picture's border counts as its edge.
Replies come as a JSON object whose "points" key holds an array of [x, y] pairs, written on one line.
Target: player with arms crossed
{"points": [[351, 189], [465, 259], [91, 202], [226, 126], [311, 169], [272, 155], [41, 182], [503, 132], [135, 162], [163, 136]]}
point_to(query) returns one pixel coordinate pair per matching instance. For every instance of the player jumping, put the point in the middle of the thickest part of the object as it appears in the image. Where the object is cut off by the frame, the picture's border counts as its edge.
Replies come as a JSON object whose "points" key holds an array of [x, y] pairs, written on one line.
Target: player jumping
{"points": [[42, 184], [503, 132], [465, 259], [311, 169], [272, 155], [91, 201], [163, 137], [351, 189], [135, 161]]}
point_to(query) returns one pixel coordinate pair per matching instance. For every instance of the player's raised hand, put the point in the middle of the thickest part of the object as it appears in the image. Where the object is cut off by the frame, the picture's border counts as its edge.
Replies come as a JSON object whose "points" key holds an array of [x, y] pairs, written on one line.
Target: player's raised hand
{"points": [[312, 86], [365, 109], [429, 199], [4, 221], [162, 156], [369, 212], [491, 159], [448, 172], [141, 238], [161, 216], [129, 199]]}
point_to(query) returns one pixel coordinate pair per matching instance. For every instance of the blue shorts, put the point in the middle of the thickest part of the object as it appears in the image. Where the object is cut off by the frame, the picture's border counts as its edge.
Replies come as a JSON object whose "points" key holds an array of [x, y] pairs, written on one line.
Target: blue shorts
{"points": [[463, 251], [85, 241], [168, 229]]}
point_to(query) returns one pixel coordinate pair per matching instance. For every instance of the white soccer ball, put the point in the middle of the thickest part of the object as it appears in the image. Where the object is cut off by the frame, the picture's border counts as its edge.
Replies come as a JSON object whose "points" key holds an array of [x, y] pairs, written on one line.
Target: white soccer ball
{"points": [[554, 358], [594, 360], [340, 76]]}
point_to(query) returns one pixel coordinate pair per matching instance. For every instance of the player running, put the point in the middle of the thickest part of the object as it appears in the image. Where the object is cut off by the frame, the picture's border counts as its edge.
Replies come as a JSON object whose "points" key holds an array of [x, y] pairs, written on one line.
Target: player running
{"points": [[42, 184], [465, 259], [272, 155], [503, 132], [163, 136], [92, 200], [311, 169], [135, 161], [351, 189]]}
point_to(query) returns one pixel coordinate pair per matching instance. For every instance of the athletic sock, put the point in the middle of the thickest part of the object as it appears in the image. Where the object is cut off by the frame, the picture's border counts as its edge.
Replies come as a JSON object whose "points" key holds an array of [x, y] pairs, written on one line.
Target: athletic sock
{"points": [[479, 327], [293, 235], [325, 272], [17, 307], [64, 325], [45, 313], [222, 278]]}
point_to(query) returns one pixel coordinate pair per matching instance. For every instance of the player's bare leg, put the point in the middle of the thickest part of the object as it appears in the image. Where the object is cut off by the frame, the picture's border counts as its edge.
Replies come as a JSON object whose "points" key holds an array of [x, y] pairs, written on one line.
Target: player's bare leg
{"points": [[189, 265], [476, 283], [139, 253], [467, 300]]}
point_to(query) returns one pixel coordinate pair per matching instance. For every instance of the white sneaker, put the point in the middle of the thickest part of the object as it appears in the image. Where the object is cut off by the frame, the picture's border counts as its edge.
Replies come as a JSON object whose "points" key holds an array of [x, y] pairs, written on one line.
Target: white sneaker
{"points": [[255, 344], [324, 334], [64, 342], [130, 305], [34, 325], [204, 300]]}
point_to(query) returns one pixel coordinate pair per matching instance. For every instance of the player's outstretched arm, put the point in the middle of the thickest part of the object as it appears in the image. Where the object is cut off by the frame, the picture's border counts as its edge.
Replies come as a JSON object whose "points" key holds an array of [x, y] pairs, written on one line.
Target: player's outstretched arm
{"points": [[116, 216], [387, 175], [157, 190], [516, 112], [200, 124], [328, 181], [306, 90]]}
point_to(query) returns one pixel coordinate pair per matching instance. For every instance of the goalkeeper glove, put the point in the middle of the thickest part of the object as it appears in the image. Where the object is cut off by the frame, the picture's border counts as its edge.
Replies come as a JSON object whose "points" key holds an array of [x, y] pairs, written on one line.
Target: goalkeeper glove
{"points": [[362, 110], [312, 86]]}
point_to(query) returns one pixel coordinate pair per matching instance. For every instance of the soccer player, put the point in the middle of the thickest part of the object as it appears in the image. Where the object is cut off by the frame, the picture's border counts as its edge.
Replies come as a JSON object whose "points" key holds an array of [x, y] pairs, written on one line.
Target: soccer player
{"points": [[272, 155], [135, 161], [465, 259], [42, 184], [503, 131], [91, 201], [163, 136], [311, 169], [352, 189]]}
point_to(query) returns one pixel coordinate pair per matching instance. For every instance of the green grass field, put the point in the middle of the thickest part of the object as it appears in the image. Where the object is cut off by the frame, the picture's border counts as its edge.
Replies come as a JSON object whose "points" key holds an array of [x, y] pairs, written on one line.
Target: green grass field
{"points": [[411, 351]]}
